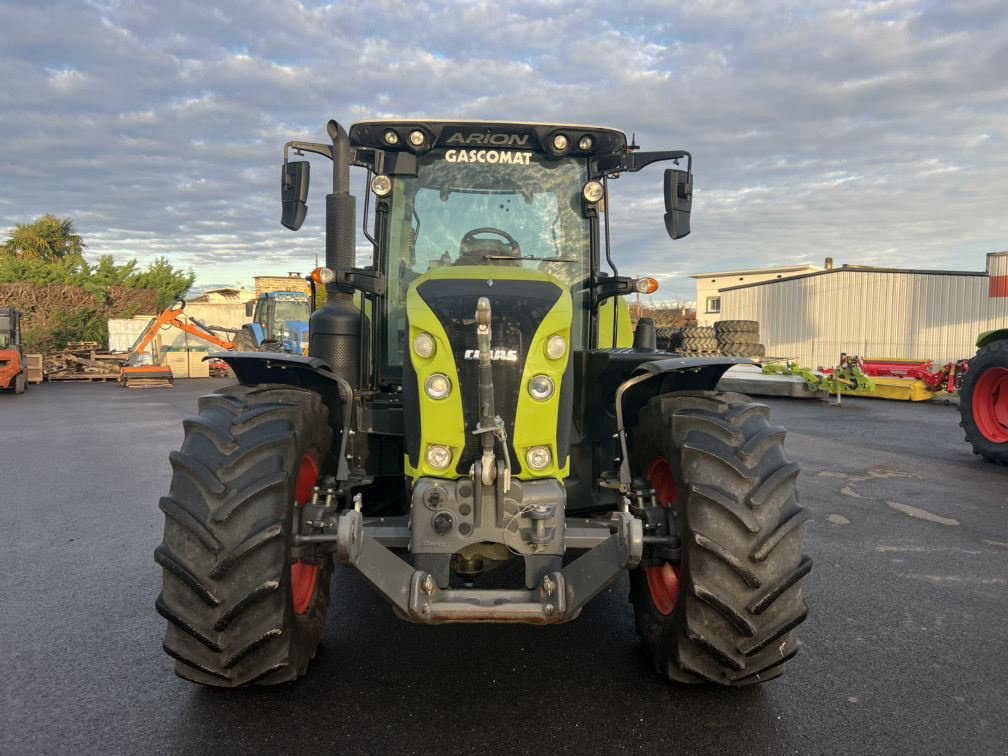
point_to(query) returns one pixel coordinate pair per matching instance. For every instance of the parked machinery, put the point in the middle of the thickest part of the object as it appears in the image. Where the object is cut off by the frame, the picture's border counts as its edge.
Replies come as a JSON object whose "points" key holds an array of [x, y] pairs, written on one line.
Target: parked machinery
{"points": [[476, 399], [279, 324], [13, 368], [134, 373], [983, 400]]}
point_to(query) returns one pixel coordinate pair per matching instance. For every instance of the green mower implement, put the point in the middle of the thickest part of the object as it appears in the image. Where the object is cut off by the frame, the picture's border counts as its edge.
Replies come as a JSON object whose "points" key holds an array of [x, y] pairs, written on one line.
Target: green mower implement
{"points": [[478, 428]]}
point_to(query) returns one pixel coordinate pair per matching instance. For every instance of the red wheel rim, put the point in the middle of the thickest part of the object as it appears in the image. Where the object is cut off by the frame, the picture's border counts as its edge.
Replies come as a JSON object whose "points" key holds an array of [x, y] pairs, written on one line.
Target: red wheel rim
{"points": [[304, 576], [990, 404], [663, 581]]}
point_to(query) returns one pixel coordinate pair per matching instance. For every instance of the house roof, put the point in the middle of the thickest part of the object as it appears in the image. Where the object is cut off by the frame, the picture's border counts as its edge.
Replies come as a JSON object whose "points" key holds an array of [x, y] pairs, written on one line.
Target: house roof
{"points": [[860, 269], [757, 271]]}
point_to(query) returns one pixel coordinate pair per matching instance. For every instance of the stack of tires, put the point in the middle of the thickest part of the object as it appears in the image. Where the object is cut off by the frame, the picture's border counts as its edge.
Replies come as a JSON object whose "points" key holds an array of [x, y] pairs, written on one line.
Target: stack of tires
{"points": [[669, 339], [739, 338], [698, 340]]}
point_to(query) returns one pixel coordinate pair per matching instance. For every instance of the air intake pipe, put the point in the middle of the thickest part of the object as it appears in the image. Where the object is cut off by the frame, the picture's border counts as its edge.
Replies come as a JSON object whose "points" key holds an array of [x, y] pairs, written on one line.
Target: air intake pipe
{"points": [[336, 328]]}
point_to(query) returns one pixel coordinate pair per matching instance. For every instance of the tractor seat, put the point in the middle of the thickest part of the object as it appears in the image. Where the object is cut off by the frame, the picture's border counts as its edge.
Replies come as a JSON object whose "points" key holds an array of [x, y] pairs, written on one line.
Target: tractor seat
{"points": [[472, 251]]}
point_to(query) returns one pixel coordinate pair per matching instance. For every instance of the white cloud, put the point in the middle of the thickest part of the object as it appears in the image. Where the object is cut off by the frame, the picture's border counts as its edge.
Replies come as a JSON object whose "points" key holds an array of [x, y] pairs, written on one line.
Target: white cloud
{"points": [[873, 132]]}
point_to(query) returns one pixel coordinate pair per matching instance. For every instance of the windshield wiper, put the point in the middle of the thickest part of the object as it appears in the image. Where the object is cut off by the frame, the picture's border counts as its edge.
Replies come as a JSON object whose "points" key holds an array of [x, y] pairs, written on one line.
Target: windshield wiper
{"points": [[531, 257]]}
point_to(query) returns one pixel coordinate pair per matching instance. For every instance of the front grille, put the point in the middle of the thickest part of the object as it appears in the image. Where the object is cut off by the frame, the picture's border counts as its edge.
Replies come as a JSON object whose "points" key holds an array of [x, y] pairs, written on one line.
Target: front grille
{"points": [[517, 308]]}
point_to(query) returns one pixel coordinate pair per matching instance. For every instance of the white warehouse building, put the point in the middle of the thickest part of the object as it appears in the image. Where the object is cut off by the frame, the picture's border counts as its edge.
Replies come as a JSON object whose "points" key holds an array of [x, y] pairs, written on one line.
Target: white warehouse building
{"points": [[874, 312]]}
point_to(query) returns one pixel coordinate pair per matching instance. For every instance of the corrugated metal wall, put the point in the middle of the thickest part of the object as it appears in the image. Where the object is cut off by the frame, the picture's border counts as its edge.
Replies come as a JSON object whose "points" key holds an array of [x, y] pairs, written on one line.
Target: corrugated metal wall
{"points": [[872, 313]]}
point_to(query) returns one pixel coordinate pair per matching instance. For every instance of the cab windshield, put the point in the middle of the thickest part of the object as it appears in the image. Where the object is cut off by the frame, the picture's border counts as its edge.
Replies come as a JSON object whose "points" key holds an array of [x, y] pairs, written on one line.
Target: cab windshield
{"points": [[289, 309], [478, 207]]}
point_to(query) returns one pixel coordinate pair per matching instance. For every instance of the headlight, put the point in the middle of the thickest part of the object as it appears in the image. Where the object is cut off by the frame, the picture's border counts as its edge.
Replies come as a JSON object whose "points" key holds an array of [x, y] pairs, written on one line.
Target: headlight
{"points": [[560, 142], [416, 138], [381, 185], [541, 387], [585, 143], [439, 457], [538, 457], [438, 386], [556, 347], [423, 345], [593, 191]]}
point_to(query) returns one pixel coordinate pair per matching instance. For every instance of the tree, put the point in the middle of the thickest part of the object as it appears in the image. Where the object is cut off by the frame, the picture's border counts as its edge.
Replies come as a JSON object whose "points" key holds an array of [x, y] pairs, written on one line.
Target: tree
{"points": [[47, 239], [167, 281]]}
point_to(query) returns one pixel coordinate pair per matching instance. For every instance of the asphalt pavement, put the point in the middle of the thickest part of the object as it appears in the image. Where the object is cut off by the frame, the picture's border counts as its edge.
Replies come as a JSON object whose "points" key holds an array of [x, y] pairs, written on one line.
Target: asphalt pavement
{"points": [[905, 648]]}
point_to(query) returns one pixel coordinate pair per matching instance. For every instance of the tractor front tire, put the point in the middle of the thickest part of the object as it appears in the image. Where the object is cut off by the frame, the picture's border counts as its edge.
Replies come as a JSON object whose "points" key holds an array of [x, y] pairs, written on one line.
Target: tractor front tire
{"points": [[983, 402], [244, 341], [726, 612], [240, 610]]}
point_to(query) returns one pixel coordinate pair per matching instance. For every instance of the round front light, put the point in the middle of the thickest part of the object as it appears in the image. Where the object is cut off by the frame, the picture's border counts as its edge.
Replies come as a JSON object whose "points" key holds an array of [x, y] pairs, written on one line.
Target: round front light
{"points": [[381, 185], [538, 457], [391, 137], [438, 457], [541, 387], [416, 138], [593, 191], [424, 345], [556, 347], [585, 143], [560, 142], [438, 386]]}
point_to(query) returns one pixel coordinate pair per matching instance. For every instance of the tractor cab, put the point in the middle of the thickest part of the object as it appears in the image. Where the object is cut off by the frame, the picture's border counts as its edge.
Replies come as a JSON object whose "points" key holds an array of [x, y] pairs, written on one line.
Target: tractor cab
{"points": [[279, 323]]}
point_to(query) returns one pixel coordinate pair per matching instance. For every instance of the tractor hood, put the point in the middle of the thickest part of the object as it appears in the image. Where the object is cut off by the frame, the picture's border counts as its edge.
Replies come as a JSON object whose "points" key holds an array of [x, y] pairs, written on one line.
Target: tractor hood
{"points": [[528, 308]]}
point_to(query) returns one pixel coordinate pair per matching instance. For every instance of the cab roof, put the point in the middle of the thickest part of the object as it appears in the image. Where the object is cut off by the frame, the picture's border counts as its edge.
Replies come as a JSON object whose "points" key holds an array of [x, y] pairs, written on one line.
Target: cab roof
{"points": [[405, 135]]}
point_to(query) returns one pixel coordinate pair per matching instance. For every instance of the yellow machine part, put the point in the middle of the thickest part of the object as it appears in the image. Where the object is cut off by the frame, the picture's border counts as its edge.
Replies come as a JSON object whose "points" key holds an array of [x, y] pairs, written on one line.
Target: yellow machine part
{"points": [[900, 389]]}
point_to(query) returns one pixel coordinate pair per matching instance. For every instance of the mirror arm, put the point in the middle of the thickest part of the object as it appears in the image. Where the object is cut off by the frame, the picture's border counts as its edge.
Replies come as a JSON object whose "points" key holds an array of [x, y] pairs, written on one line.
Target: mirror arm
{"points": [[300, 147], [635, 161]]}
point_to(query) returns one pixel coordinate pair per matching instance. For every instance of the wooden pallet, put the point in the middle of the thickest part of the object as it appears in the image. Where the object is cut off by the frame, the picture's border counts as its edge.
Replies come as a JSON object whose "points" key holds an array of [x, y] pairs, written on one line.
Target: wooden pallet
{"points": [[88, 377]]}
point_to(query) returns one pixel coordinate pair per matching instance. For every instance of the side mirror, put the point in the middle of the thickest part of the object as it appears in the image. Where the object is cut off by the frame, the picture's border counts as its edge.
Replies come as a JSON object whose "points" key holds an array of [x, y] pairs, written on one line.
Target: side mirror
{"points": [[294, 193], [249, 309], [678, 202]]}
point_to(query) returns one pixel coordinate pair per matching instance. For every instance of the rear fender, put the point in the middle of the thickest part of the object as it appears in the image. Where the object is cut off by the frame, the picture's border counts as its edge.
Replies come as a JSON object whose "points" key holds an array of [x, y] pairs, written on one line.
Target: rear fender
{"points": [[311, 373], [651, 379], [989, 337]]}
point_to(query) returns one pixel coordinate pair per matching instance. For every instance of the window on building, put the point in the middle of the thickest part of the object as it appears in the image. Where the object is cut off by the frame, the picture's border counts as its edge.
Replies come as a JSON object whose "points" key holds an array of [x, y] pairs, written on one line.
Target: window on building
{"points": [[714, 304]]}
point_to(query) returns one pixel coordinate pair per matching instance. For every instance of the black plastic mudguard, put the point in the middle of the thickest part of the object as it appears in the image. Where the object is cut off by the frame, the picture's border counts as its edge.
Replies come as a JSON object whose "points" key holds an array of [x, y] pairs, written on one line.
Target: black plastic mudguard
{"points": [[310, 373], [670, 374]]}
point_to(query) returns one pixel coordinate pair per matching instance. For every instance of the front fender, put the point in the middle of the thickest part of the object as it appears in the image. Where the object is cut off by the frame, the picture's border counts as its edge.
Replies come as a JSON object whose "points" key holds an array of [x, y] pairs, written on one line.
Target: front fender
{"points": [[663, 376], [311, 373], [650, 379]]}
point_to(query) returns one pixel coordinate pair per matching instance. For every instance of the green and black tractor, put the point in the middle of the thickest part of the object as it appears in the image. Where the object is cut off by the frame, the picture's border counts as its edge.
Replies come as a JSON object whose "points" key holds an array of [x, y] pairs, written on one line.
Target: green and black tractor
{"points": [[479, 429]]}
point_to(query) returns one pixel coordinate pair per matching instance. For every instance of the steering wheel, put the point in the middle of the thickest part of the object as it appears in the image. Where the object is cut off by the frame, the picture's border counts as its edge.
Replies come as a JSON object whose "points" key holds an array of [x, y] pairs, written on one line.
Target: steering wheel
{"points": [[469, 242]]}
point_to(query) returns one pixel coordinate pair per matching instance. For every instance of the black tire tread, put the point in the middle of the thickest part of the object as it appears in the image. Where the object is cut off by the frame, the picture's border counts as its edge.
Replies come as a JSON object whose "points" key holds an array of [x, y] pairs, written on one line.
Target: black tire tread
{"points": [[988, 356], [226, 592], [741, 530]]}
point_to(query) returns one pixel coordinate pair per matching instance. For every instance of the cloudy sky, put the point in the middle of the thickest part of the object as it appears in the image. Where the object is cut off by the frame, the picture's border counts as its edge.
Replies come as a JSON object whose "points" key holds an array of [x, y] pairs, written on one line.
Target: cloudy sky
{"points": [[874, 133]]}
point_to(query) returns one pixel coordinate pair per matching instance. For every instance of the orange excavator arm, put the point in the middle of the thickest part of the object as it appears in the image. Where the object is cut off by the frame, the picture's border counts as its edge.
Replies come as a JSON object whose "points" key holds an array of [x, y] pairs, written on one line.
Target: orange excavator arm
{"points": [[135, 376], [169, 318]]}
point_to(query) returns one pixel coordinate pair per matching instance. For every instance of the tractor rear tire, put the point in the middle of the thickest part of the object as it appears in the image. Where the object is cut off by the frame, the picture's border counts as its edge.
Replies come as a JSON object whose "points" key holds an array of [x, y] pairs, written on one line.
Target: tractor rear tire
{"points": [[244, 341], [983, 403], [726, 613], [239, 609], [20, 382]]}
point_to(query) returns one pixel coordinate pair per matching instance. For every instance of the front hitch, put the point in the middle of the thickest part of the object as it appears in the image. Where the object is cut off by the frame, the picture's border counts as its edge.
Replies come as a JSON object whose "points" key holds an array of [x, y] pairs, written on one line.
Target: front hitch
{"points": [[489, 427]]}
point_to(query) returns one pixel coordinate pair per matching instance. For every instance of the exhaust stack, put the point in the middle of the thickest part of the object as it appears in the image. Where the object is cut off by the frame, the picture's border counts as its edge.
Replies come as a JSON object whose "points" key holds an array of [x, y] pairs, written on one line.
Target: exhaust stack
{"points": [[336, 328]]}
